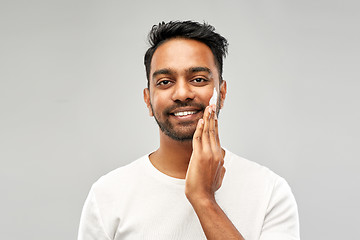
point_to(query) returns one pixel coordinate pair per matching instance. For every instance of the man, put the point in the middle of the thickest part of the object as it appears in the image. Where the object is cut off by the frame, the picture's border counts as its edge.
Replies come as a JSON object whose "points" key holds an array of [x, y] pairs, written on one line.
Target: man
{"points": [[181, 190]]}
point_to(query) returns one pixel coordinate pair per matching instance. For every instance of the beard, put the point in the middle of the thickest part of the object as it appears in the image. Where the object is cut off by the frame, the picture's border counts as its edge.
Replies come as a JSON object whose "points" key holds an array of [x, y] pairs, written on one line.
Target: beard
{"points": [[183, 131]]}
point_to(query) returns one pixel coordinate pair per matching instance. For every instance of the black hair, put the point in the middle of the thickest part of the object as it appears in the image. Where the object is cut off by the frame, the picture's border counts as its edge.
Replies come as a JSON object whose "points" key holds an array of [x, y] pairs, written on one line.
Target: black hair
{"points": [[204, 33]]}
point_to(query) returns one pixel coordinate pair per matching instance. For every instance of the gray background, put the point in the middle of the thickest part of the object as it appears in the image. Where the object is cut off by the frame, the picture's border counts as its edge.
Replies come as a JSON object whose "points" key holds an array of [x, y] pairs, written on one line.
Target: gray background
{"points": [[71, 80]]}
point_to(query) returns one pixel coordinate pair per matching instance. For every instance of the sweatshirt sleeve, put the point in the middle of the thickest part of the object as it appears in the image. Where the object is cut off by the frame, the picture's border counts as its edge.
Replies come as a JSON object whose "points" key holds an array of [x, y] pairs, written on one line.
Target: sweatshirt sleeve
{"points": [[281, 221], [91, 225]]}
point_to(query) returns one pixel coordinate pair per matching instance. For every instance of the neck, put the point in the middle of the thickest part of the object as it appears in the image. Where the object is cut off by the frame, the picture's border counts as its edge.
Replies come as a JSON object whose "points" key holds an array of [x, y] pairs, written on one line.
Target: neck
{"points": [[172, 158]]}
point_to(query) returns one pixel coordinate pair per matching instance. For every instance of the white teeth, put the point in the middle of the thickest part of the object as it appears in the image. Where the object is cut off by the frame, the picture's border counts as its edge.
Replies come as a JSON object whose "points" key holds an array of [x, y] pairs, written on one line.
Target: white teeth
{"points": [[184, 113]]}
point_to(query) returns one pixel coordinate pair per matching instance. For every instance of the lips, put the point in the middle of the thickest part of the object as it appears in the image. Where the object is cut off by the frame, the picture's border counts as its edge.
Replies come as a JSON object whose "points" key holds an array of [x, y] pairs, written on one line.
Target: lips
{"points": [[184, 113]]}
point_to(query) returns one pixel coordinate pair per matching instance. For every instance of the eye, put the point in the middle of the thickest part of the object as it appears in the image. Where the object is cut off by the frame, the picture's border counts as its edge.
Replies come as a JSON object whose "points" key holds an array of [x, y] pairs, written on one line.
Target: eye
{"points": [[199, 80], [163, 82]]}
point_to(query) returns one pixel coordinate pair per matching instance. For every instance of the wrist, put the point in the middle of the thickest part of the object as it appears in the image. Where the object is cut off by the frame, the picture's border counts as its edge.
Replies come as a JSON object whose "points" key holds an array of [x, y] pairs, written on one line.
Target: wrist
{"points": [[203, 202]]}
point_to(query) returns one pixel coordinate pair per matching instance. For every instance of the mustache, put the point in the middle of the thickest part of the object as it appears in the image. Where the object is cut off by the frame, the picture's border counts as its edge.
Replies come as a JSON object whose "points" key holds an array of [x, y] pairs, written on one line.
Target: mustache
{"points": [[199, 106]]}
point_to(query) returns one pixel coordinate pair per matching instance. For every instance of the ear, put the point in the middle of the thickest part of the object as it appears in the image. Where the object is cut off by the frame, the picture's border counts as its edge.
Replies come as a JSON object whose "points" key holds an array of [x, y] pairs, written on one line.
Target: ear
{"points": [[147, 101], [222, 93]]}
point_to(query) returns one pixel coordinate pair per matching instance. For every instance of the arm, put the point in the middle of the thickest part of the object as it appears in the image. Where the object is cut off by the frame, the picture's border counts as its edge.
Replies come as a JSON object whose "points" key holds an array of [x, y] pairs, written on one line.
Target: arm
{"points": [[91, 225], [281, 221], [204, 177]]}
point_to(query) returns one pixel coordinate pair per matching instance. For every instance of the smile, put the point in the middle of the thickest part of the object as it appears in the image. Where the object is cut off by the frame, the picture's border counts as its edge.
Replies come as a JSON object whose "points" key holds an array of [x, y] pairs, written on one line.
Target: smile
{"points": [[185, 113]]}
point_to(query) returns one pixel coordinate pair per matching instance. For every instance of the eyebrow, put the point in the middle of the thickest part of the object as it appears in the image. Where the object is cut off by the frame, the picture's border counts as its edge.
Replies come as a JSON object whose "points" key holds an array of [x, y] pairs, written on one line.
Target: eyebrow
{"points": [[167, 71], [199, 69]]}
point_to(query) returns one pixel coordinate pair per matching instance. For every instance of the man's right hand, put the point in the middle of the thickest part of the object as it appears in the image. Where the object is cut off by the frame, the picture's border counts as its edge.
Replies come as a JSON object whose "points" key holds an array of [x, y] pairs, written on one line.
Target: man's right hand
{"points": [[206, 171]]}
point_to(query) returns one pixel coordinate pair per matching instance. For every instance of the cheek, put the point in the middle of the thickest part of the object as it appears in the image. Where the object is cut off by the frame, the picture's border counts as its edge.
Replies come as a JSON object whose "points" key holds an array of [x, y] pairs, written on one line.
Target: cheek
{"points": [[159, 102], [205, 96], [156, 101]]}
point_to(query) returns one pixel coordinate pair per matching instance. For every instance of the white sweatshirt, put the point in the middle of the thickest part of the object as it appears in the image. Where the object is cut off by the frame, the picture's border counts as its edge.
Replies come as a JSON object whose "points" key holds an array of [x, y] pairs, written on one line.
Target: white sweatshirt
{"points": [[139, 202]]}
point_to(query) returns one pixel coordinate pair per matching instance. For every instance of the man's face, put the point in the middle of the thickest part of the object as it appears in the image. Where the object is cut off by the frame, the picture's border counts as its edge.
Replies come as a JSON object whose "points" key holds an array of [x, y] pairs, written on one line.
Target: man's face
{"points": [[182, 78]]}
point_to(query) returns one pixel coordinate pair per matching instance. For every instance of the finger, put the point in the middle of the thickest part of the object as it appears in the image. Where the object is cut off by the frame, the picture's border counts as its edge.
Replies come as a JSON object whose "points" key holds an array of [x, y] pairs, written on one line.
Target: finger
{"points": [[212, 131], [198, 134], [217, 130], [205, 134]]}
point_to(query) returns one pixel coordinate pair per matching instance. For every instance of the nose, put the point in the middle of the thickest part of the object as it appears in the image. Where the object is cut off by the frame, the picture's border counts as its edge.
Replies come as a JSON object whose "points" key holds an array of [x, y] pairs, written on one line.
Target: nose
{"points": [[183, 91]]}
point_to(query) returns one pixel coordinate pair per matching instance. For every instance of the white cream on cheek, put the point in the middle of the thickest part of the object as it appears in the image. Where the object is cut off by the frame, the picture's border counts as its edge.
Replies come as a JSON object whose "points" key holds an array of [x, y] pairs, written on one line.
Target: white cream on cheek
{"points": [[213, 99]]}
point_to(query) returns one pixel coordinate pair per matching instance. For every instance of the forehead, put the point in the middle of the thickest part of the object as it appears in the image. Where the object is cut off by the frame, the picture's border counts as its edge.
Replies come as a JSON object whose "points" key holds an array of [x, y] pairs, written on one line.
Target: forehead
{"points": [[181, 54]]}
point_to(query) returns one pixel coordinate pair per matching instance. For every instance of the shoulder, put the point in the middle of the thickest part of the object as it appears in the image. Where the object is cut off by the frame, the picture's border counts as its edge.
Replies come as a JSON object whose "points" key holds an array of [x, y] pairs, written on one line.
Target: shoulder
{"points": [[242, 167], [251, 177], [121, 178], [263, 192]]}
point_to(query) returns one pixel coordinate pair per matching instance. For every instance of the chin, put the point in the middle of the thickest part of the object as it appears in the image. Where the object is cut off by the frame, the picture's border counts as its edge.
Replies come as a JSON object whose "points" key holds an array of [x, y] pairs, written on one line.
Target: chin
{"points": [[181, 136]]}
